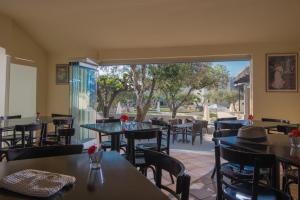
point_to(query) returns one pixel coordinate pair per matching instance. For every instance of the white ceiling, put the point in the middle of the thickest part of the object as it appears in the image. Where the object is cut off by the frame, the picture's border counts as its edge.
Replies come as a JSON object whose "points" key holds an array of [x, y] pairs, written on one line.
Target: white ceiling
{"points": [[61, 25]]}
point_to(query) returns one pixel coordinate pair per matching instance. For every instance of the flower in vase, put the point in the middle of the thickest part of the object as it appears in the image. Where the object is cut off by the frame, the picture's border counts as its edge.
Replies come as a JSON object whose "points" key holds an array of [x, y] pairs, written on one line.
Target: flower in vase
{"points": [[250, 117], [124, 118], [92, 149], [294, 133]]}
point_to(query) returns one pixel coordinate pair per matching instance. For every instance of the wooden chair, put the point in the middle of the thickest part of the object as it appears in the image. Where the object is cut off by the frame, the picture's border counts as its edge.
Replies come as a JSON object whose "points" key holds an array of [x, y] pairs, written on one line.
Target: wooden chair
{"points": [[271, 130], [222, 119], [164, 162], [136, 156], [45, 151], [224, 131], [26, 131], [166, 135], [107, 144], [175, 131], [233, 185], [7, 134], [196, 130], [67, 134]]}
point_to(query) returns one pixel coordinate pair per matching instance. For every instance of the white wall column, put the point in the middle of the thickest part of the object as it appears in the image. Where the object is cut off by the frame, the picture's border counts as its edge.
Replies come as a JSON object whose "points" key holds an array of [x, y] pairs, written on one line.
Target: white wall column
{"points": [[3, 72]]}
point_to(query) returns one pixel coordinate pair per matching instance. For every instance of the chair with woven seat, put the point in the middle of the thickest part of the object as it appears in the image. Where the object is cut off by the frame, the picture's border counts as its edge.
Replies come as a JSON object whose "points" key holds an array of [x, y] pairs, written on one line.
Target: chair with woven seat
{"points": [[232, 187], [164, 162], [165, 140], [136, 156], [225, 130], [27, 134], [107, 144], [45, 151]]}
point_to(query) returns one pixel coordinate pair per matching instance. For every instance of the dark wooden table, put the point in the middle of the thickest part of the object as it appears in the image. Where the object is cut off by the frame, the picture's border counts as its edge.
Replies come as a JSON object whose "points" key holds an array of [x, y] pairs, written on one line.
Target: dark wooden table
{"points": [[120, 179], [263, 124], [275, 144], [9, 124], [115, 129]]}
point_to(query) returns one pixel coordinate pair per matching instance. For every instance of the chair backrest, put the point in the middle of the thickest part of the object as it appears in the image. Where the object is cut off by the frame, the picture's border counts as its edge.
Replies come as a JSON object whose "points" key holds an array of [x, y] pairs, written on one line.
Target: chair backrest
{"points": [[223, 119], [140, 135], [63, 122], [45, 151], [67, 133], [197, 127], [11, 117], [229, 126], [165, 127], [174, 167], [28, 127], [60, 115], [258, 161], [275, 120], [107, 120]]}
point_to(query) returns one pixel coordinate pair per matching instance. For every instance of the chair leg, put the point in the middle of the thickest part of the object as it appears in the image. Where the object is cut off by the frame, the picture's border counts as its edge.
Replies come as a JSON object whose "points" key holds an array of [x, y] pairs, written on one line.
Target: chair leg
{"points": [[172, 179], [213, 174], [193, 139], [201, 138]]}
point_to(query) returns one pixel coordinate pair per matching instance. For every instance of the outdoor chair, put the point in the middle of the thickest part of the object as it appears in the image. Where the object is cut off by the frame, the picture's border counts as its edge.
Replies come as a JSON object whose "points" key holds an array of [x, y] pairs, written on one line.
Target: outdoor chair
{"points": [[196, 130], [164, 162], [231, 186]]}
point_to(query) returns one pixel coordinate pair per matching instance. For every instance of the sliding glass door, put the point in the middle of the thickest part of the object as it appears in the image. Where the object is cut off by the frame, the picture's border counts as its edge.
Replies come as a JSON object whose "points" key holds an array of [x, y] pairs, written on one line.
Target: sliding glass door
{"points": [[83, 91]]}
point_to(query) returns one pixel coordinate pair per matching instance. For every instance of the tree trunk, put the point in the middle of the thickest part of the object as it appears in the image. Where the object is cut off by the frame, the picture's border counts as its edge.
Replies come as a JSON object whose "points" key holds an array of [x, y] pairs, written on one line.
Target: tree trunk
{"points": [[106, 111], [174, 112]]}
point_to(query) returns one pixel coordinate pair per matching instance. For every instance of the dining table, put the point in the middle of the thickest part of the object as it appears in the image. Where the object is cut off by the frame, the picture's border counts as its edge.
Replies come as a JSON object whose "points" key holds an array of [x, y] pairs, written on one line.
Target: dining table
{"points": [[9, 124], [116, 129], [116, 178], [275, 144], [184, 128]]}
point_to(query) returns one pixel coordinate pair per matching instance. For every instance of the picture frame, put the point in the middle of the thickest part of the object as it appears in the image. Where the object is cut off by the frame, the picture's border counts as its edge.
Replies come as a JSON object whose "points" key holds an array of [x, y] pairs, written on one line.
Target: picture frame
{"points": [[282, 72], [62, 74]]}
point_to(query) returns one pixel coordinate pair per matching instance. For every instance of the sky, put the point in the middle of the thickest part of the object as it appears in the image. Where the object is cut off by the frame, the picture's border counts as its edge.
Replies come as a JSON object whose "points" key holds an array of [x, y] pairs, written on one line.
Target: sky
{"points": [[234, 67]]}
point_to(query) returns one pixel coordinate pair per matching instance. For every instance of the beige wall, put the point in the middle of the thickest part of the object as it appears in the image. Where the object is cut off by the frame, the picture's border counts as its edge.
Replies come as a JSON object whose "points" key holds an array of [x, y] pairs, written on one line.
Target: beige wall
{"points": [[19, 44]]}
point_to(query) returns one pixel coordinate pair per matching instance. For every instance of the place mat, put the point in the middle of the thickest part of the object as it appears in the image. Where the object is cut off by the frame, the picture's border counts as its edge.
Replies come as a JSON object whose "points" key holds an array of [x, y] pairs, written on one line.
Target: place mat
{"points": [[36, 183]]}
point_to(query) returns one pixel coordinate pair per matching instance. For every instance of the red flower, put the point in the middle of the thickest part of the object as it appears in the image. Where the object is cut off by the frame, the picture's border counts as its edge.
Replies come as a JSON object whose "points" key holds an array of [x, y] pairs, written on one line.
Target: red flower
{"points": [[92, 149], [124, 118], [251, 117], [294, 133]]}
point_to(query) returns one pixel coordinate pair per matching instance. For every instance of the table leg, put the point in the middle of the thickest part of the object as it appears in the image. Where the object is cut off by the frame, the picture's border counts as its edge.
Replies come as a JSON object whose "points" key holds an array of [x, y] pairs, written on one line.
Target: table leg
{"points": [[298, 183], [0, 138], [276, 175], [115, 142]]}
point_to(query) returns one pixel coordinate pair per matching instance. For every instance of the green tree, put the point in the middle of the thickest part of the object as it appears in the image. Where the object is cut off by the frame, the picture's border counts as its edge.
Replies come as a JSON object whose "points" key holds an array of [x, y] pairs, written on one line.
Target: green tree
{"points": [[178, 81], [109, 86]]}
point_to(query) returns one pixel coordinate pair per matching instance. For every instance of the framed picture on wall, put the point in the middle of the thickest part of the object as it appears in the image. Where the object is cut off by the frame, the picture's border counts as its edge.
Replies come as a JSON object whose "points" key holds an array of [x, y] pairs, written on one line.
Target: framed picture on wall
{"points": [[62, 74], [282, 72]]}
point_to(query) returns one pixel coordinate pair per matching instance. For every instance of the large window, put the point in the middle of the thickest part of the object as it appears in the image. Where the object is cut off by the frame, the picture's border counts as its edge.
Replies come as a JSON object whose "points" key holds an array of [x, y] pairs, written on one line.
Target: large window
{"points": [[199, 90]]}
